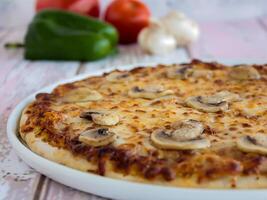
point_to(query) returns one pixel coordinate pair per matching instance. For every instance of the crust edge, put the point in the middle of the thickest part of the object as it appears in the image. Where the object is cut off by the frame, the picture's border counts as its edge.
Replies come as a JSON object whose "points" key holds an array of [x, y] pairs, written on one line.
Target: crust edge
{"points": [[65, 157]]}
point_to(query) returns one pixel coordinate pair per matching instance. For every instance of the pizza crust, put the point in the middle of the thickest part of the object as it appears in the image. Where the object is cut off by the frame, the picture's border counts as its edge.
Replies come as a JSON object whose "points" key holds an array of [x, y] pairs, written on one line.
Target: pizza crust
{"points": [[65, 157]]}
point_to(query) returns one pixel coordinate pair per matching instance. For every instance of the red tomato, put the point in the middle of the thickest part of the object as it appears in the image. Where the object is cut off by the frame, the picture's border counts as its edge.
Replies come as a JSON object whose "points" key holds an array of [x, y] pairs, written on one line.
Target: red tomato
{"points": [[85, 7], [42, 4], [88, 7], [129, 17]]}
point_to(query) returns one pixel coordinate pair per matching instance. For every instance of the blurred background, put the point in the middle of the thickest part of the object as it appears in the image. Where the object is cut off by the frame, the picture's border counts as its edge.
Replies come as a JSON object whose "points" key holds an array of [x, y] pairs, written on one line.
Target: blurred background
{"points": [[20, 12]]}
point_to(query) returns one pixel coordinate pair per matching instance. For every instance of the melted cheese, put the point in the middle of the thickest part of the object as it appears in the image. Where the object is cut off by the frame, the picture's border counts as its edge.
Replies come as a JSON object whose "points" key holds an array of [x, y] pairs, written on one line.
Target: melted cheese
{"points": [[139, 116]]}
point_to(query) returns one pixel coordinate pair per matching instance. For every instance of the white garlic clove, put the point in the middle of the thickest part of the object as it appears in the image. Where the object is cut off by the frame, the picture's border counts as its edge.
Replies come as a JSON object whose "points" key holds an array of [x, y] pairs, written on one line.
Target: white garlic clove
{"points": [[183, 29], [154, 39]]}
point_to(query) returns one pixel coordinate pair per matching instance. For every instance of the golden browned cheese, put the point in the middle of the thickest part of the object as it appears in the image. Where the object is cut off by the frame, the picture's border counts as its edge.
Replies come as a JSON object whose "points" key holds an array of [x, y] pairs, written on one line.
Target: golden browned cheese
{"points": [[56, 118]]}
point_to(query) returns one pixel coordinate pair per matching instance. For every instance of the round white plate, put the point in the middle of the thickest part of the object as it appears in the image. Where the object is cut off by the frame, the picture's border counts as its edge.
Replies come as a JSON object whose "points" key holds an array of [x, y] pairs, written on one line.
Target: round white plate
{"points": [[107, 187]]}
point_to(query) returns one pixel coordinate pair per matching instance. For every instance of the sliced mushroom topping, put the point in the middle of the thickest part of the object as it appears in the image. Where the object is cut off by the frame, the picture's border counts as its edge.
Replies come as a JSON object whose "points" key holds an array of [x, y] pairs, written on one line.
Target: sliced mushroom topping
{"points": [[202, 73], [249, 109], [221, 96], [97, 137], [184, 135], [104, 118], [118, 77], [213, 103], [179, 72], [204, 104], [253, 143], [82, 94], [244, 73], [187, 130], [149, 92]]}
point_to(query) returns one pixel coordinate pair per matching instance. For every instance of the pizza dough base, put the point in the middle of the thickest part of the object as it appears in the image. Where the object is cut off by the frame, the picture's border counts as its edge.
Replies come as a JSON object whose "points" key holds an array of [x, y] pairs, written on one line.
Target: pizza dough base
{"points": [[65, 157]]}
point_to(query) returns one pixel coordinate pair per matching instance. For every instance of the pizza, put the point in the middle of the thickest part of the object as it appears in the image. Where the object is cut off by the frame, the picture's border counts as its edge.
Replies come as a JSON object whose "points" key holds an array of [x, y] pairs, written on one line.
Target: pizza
{"points": [[197, 124]]}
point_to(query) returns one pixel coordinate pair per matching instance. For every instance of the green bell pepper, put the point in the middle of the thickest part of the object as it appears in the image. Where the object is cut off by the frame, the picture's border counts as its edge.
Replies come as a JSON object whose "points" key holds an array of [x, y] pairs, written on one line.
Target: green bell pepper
{"points": [[61, 35]]}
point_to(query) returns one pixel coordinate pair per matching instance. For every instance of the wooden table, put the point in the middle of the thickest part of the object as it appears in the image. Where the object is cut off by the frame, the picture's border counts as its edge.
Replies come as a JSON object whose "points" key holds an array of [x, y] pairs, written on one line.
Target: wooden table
{"points": [[234, 41]]}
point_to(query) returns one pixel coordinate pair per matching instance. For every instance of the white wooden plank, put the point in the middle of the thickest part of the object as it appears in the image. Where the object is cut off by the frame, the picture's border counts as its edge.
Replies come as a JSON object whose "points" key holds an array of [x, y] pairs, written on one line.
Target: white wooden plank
{"points": [[12, 35], [225, 41], [263, 22], [57, 191], [132, 54], [25, 78], [19, 78]]}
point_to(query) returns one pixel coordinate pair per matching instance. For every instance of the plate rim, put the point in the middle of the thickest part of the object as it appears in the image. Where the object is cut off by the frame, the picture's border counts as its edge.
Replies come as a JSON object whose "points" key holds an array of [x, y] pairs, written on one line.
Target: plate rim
{"points": [[37, 162]]}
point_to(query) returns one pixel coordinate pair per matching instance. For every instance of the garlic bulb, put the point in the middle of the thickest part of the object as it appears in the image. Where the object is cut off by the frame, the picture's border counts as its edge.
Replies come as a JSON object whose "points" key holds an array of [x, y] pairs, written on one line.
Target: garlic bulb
{"points": [[155, 39], [183, 29]]}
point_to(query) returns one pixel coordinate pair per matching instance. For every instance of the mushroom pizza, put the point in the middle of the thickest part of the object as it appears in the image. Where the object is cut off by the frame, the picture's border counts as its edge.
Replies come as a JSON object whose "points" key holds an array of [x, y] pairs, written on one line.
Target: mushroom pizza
{"points": [[186, 125]]}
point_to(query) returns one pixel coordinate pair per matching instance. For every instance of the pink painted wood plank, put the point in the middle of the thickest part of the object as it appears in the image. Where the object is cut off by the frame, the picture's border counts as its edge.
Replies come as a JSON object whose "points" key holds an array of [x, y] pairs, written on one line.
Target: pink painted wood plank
{"points": [[14, 35], [133, 54], [3, 32], [19, 78], [263, 22], [13, 183], [57, 191], [10, 57], [25, 78], [237, 40]]}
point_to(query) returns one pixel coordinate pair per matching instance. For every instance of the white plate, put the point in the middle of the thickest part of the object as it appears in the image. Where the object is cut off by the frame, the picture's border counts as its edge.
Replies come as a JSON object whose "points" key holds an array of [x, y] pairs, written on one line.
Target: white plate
{"points": [[107, 187]]}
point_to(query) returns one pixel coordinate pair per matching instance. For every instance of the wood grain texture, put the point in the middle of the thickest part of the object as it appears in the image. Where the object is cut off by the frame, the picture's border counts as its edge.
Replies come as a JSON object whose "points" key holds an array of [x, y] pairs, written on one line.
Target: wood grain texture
{"points": [[263, 22], [240, 40], [18, 79], [56, 191], [131, 55], [15, 182]]}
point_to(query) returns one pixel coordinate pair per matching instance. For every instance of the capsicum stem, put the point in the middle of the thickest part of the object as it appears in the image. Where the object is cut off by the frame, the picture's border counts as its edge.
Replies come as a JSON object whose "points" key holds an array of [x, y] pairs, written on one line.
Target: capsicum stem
{"points": [[14, 45]]}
